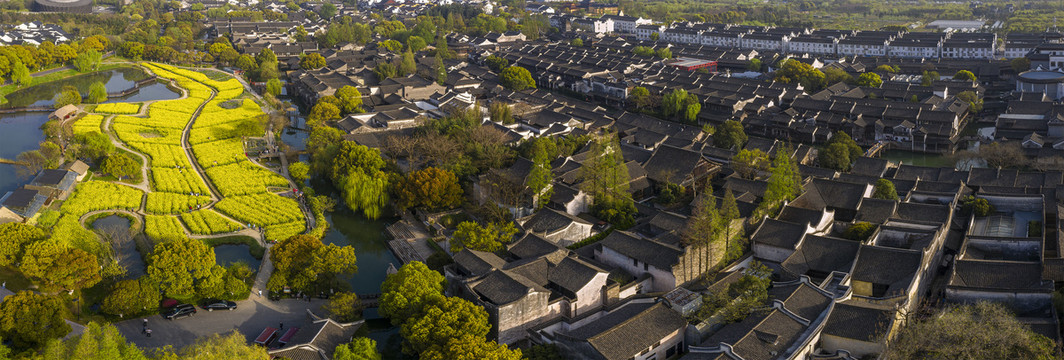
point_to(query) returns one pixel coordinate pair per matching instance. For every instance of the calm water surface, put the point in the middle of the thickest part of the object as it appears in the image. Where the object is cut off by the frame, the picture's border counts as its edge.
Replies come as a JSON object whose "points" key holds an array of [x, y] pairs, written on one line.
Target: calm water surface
{"points": [[21, 131]]}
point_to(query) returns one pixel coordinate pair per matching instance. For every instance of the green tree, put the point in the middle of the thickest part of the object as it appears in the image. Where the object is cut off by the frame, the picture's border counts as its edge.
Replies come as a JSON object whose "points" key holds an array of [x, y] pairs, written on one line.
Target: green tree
{"points": [[386, 71], [887, 69], [663, 53], [88, 60], [500, 112], [441, 320], [964, 75], [797, 72], [605, 178], [132, 297], [97, 93], [441, 70], [978, 206], [1020, 64], [16, 237], [834, 76], [730, 135], [983, 330], [654, 36], [344, 307], [577, 42], [29, 319], [247, 63], [644, 51], [68, 96], [784, 184], [540, 176], [869, 79], [94, 145], [56, 267], [357, 170], [729, 212], [303, 260], [640, 97], [469, 347], [482, 238], [430, 187], [218, 347], [390, 45], [754, 65], [311, 61], [97, 342], [350, 99], [407, 66], [703, 227], [496, 63], [416, 43], [835, 156], [406, 292], [20, 74], [842, 137], [517, 78], [299, 172], [929, 77], [748, 163], [179, 264], [884, 189], [327, 11], [975, 103], [543, 352], [673, 102], [273, 87], [361, 348], [860, 231], [121, 165], [321, 113]]}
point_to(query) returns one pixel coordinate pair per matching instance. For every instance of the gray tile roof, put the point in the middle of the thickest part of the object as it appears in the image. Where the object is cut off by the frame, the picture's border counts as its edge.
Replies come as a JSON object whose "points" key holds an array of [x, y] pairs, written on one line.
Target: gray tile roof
{"points": [[501, 287], [858, 322], [572, 274], [876, 211], [887, 266], [821, 254], [777, 233], [477, 263], [997, 275], [630, 329], [651, 252], [322, 335], [548, 221], [533, 246], [923, 212]]}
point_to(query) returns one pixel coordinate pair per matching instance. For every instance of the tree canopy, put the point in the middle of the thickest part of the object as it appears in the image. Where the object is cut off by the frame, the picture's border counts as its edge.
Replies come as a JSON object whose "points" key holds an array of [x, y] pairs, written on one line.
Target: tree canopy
{"points": [[979, 331], [482, 238], [179, 265], [516, 78], [797, 72], [730, 135], [884, 189], [404, 293], [30, 319], [430, 187]]}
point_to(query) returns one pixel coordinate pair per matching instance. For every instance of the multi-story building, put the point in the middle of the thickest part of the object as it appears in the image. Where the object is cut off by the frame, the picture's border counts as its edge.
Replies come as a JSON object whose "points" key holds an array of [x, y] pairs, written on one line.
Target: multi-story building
{"points": [[644, 32], [813, 44], [764, 41], [626, 24], [970, 46]]}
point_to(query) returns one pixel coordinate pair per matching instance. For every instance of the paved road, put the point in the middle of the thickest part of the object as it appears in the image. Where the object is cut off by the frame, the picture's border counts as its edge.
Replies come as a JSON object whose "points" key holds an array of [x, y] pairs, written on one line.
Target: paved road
{"points": [[250, 317]]}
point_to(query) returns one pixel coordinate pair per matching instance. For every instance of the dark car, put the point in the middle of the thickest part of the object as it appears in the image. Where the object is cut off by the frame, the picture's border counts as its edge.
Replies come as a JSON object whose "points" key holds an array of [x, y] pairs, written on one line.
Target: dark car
{"points": [[180, 311], [215, 304]]}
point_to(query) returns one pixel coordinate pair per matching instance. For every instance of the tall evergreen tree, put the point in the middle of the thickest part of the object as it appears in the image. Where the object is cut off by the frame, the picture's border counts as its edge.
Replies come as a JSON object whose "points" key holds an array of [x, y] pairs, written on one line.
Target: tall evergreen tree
{"points": [[729, 211], [605, 178], [784, 184], [703, 226]]}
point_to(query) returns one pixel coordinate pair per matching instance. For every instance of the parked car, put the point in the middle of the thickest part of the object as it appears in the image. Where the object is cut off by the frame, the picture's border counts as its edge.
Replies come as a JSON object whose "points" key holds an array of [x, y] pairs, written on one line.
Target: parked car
{"points": [[215, 304], [180, 311]]}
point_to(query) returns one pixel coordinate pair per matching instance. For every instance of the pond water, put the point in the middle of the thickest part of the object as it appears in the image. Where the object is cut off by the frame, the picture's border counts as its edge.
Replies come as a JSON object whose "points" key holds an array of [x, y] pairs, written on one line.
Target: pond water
{"points": [[115, 80], [21, 131], [116, 229], [226, 255], [370, 242]]}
